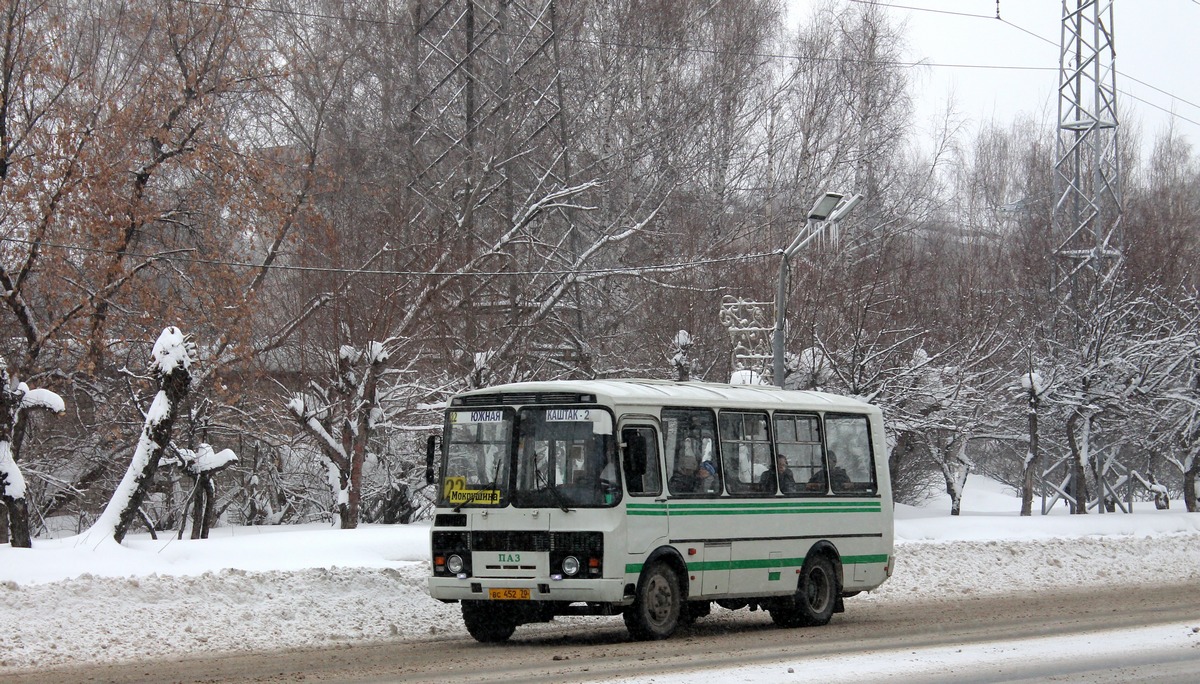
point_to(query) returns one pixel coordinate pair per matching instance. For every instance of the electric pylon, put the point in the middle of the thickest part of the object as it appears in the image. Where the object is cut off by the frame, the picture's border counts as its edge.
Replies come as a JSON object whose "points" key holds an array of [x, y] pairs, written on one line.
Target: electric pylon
{"points": [[1087, 213], [1087, 239]]}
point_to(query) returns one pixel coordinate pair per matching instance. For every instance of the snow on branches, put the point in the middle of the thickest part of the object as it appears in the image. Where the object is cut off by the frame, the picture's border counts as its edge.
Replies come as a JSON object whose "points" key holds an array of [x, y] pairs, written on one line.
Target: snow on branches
{"points": [[342, 419], [171, 358], [16, 400]]}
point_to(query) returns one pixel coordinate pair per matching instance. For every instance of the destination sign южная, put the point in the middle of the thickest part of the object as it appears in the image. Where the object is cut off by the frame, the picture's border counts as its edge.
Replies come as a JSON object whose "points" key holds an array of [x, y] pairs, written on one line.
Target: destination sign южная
{"points": [[465, 417]]}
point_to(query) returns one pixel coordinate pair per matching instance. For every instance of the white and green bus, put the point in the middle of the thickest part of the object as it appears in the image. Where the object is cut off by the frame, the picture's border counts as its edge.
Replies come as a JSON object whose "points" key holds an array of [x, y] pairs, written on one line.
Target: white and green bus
{"points": [[654, 500]]}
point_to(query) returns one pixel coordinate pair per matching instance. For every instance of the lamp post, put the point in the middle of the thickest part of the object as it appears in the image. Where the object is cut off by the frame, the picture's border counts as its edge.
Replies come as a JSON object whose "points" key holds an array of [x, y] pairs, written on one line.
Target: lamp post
{"points": [[829, 209]]}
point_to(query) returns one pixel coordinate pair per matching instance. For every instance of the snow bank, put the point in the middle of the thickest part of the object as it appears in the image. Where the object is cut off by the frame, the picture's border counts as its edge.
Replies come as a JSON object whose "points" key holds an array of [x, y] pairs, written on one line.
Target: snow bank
{"points": [[261, 588]]}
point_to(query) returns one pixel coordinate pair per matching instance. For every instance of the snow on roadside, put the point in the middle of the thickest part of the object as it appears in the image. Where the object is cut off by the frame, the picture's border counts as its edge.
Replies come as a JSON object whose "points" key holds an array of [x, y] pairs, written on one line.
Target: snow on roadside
{"points": [[268, 588], [103, 619]]}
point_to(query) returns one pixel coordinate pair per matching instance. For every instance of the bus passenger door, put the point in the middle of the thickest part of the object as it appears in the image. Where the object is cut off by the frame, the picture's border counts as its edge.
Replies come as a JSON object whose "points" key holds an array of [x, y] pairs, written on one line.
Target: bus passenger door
{"points": [[645, 501]]}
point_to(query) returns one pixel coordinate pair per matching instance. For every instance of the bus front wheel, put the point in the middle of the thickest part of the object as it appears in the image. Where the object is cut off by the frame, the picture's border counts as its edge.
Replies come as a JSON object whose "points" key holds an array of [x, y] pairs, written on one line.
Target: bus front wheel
{"points": [[488, 624], [657, 605]]}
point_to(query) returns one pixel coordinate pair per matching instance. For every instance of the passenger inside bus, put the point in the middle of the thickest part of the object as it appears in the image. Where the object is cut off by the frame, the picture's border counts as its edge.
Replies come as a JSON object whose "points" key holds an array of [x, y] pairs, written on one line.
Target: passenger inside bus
{"points": [[839, 480], [781, 475], [694, 467], [702, 479]]}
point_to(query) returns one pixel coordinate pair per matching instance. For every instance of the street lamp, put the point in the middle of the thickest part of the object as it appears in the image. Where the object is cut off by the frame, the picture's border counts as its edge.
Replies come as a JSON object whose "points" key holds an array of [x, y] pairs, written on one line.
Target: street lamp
{"points": [[830, 208]]}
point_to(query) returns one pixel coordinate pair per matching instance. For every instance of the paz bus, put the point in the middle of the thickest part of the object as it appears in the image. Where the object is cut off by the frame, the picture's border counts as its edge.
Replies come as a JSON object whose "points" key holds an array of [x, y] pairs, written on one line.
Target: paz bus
{"points": [[654, 500]]}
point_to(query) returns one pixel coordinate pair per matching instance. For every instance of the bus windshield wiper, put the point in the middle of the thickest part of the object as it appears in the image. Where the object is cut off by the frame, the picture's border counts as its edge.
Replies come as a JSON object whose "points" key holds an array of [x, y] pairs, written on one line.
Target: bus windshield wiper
{"points": [[558, 496]]}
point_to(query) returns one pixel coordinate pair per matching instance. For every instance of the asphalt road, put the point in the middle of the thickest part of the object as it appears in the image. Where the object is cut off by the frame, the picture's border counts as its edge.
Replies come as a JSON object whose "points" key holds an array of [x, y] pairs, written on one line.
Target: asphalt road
{"points": [[600, 649]]}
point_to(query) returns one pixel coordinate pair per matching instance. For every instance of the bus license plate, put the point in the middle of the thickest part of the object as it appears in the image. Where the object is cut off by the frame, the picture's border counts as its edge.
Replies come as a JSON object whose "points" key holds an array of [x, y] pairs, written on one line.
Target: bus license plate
{"points": [[508, 594]]}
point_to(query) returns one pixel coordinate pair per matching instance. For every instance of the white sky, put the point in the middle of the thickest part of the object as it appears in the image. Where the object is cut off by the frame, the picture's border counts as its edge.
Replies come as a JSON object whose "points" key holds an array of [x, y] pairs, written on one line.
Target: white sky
{"points": [[254, 588], [1155, 42]]}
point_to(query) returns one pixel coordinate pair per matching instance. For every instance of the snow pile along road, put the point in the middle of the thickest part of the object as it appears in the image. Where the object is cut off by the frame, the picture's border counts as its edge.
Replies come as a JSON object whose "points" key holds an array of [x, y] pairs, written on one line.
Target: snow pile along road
{"points": [[94, 619], [251, 589]]}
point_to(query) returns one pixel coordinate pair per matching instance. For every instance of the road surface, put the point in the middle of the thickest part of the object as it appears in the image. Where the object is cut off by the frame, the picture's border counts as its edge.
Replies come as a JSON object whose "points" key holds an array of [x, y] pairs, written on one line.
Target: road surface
{"points": [[599, 649]]}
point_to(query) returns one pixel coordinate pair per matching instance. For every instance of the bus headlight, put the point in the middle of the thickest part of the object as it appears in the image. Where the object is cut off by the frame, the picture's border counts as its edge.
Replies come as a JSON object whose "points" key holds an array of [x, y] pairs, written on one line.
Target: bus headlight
{"points": [[570, 566], [454, 564]]}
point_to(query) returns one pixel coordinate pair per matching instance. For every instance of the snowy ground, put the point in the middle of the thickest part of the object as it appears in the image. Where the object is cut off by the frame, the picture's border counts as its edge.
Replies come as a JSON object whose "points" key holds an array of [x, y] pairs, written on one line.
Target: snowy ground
{"points": [[280, 587]]}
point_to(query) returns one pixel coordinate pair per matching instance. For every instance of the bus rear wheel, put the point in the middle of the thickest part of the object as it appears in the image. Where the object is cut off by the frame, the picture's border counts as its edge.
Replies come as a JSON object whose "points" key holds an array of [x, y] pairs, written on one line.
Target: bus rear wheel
{"points": [[656, 608], [488, 623], [815, 599]]}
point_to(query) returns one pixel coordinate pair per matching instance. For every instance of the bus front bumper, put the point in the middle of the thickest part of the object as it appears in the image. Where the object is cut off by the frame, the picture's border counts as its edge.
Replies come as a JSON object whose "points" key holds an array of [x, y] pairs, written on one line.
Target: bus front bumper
{"points": [[513, 589]]}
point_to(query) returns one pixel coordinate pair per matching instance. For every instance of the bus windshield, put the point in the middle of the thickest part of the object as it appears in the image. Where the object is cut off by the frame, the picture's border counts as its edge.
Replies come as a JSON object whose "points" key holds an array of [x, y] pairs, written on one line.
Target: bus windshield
{"points": [[565, 459], [478, 452]]}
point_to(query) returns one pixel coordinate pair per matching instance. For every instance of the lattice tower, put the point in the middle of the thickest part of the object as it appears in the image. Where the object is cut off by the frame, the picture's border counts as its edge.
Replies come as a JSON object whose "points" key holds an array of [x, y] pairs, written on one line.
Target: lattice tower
{"points": [[491, 132], [1087, 213]]}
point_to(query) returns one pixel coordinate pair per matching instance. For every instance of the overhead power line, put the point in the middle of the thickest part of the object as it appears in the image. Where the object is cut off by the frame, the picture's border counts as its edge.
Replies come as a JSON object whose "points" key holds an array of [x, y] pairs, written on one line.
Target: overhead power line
{"points": [[1024, 30], [924, 9], [175, 256], [638, 46], [755, 54]]}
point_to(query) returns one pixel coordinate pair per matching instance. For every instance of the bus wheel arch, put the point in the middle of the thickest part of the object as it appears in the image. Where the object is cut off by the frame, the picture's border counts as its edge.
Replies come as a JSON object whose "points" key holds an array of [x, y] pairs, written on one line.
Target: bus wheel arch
{"points": [[659, 598], [818, 591], [671, 556]]}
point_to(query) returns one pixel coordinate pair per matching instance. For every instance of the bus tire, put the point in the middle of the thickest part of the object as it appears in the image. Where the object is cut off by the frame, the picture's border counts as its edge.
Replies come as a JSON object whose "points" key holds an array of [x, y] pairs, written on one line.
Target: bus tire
{"points": [[488, 624], [657, 604], [818, 593]]}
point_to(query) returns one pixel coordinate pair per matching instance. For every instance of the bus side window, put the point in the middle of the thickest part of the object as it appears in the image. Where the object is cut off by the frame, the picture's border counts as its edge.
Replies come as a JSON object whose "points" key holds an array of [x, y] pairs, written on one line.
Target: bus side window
{"points": [[746, 448], [690, 437], [851, 463], [798, 439], [640, 461]]}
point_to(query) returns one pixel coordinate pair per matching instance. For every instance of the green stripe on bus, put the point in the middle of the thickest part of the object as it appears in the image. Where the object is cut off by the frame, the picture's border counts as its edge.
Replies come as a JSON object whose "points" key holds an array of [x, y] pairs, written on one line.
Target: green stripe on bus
{"points": [[761, 563], [748, 564], [783, 507], [863, 560], [786, 503], [778, 511]]}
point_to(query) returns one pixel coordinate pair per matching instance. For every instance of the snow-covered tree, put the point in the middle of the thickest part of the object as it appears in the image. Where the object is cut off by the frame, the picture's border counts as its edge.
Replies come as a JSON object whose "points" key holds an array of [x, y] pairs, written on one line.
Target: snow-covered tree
{"points": [[342, 419], [202, 463], [681, 360], [170, 364], [17, 401], [1033, 390], [947, 405]]}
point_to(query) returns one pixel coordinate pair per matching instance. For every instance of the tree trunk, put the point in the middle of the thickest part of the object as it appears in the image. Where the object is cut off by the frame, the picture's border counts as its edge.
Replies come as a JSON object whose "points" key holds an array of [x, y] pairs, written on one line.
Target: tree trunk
{"points": [[198, 508], [346, 520], [210, 496], [3, 523], [174, 387], [170, 368], [1189, 486], [17, 522], [955, 468], [1078, 483], [1032, 459]]}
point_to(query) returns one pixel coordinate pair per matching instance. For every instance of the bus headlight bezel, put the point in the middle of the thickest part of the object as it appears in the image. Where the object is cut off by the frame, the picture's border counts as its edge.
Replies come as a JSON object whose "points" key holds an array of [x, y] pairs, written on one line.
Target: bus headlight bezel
{"points": [[455, 564], [571, 566]]}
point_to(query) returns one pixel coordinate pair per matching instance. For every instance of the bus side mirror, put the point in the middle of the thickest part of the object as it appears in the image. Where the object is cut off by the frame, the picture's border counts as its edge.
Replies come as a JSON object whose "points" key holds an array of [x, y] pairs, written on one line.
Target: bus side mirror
{"points": [[431, 448]]}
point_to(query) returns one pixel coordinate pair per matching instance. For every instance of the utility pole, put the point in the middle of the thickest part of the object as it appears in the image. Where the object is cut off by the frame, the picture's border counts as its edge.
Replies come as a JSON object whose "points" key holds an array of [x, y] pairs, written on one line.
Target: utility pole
{"points": [[1087, 211], [1086, 221]]}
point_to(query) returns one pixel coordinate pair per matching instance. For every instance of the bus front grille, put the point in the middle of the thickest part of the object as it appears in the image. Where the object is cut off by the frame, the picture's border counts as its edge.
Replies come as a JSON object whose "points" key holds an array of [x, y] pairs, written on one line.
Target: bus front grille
{"points": [[510, 541]]}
